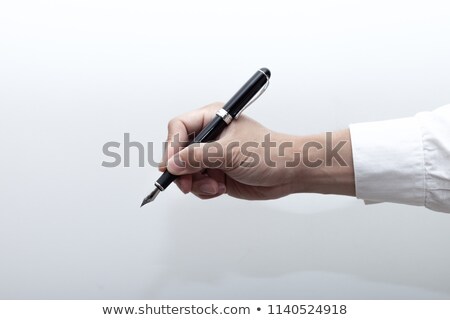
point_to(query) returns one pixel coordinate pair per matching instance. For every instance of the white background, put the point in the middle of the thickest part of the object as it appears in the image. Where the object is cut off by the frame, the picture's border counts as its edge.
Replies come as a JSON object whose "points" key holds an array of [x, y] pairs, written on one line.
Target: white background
{"points": [[77, 74]]}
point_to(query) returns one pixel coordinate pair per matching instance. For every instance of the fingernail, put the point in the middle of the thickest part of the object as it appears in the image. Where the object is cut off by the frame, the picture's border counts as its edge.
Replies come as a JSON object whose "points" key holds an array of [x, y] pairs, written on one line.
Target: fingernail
{"points": [[206, 188], [222, 188]]}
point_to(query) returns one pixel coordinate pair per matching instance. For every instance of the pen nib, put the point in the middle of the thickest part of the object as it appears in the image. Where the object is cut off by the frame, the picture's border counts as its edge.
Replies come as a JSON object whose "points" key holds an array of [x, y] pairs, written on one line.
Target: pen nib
{"points": [[150, 197]]}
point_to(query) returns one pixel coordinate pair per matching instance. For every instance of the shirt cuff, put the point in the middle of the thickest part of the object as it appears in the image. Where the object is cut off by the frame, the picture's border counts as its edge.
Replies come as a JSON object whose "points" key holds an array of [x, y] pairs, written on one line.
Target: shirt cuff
{"points": [[388, 161]]}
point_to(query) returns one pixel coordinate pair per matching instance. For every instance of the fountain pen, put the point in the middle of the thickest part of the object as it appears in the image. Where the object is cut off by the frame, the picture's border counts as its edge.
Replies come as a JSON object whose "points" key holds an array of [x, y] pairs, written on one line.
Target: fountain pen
{"points": [[249, 92]]}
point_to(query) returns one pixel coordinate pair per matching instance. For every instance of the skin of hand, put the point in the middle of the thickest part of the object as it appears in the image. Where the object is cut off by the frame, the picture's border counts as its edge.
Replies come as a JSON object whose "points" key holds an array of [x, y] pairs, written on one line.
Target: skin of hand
{"points": [[249, 161]]}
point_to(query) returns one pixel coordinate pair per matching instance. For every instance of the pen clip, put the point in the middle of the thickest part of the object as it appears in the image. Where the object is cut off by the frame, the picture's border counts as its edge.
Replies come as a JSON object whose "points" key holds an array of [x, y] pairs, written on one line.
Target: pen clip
{"points": [[260, 92]]}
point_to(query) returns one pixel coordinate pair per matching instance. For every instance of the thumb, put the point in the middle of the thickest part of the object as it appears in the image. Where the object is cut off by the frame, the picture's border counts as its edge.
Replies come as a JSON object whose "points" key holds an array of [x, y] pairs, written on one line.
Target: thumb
{"points": [[199, 156]]}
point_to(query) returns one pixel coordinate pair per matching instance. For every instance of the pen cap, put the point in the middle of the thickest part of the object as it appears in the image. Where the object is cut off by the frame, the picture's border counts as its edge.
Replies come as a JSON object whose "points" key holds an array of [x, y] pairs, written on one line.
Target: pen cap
{"points": [[247, 92]]}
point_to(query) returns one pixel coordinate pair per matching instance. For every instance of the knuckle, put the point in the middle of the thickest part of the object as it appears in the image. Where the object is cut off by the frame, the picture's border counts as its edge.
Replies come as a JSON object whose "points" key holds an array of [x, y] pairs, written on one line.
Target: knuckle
{"points": [[172, 123]]}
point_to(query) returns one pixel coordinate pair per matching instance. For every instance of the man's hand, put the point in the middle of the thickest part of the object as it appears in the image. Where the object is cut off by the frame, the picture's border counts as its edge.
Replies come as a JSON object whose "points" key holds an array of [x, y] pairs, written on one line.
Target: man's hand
{"points": [[249, 161]]}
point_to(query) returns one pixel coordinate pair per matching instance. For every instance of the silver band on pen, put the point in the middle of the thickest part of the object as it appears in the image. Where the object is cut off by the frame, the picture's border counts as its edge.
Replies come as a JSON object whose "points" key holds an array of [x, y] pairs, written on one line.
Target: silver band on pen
{"points": [[224, 115]]}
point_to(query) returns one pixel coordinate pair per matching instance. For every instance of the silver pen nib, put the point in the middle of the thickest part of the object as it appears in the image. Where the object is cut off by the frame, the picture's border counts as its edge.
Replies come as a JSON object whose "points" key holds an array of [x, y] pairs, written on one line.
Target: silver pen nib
{"points": [[151, 196]]}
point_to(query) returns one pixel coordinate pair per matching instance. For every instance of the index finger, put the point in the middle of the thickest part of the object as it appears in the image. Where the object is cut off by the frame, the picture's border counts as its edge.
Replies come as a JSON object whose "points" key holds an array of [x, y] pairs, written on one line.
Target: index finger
{"points": [[181, 127]]}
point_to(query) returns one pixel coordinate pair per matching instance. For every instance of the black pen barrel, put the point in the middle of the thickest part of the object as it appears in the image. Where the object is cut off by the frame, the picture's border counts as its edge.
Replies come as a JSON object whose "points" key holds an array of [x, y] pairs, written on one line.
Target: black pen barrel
{"points": [[247, 92]]}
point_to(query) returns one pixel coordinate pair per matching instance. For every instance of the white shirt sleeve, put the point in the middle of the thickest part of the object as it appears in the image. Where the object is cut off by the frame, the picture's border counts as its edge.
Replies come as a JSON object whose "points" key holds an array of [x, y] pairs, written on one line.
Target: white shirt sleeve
{"points": [[404, 160]]}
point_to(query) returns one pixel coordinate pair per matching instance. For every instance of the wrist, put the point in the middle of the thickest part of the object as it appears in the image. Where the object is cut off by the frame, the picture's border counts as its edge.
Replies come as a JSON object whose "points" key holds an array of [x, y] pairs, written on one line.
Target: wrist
{"points": [[326, 164]]}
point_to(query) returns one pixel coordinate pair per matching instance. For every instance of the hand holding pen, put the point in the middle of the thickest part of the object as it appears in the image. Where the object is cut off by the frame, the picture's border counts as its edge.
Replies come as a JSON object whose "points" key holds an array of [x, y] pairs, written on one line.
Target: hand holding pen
{"points": [[256, 163], [251, 90]]}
